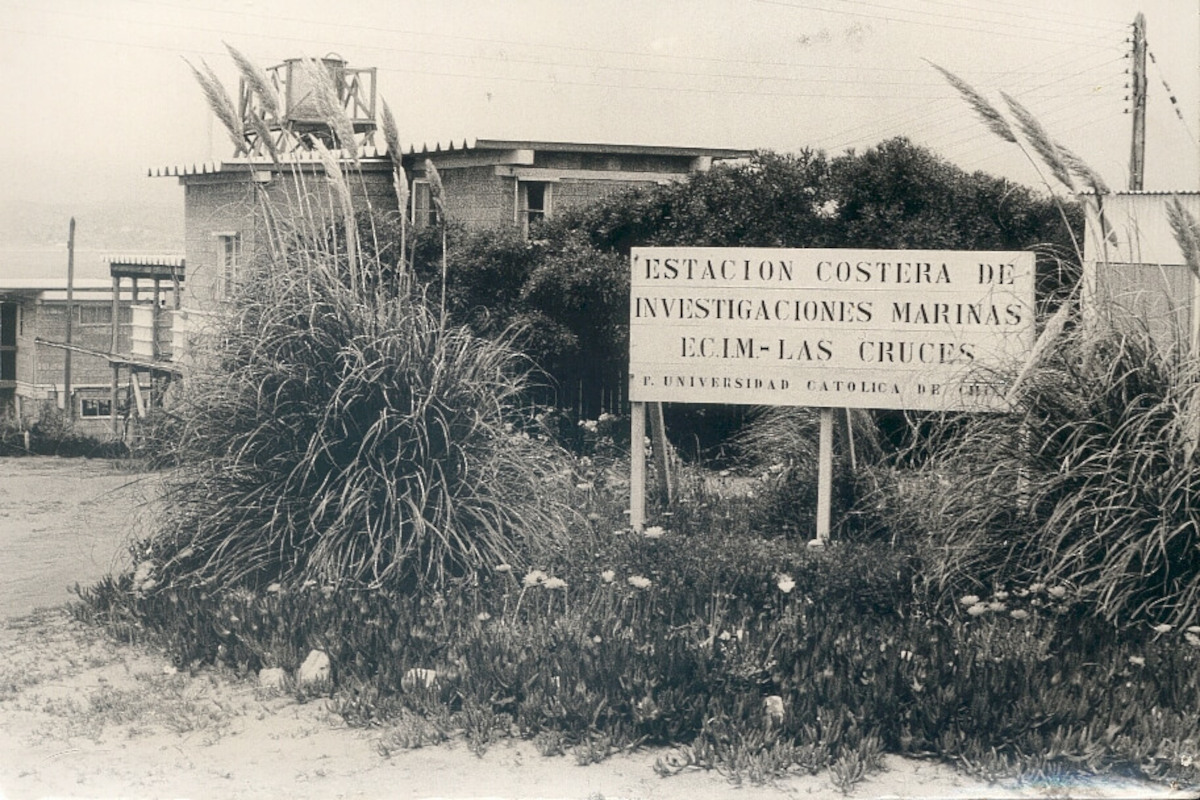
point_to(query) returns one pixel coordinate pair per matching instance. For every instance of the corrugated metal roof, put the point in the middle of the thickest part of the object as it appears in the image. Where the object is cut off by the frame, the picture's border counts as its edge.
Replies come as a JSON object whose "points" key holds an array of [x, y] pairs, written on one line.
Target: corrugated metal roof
{"points": [[146, 261], [467, 145]]}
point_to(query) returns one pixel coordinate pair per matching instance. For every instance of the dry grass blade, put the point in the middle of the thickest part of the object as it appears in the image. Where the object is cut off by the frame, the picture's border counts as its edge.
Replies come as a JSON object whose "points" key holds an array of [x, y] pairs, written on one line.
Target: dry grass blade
{"points": [[1082, 170], [221, 105], [258, 81], [391, 136], [259, 126], [400, 179], [1041, 141], [435, 187], [994, 120], [330, 106], [1054, 328], [1187, 234]]}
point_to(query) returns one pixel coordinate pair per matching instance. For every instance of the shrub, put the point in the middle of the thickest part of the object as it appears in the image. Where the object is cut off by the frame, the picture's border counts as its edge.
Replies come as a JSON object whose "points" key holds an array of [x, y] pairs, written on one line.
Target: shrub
{"points": [[1092, 483], [350, 436]]}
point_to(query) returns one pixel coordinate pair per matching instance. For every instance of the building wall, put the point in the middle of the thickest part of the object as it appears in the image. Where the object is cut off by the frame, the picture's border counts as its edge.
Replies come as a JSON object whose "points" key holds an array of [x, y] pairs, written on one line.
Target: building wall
{"points": [[40, 368], [572, 193], [614, 162], [257, 206], [1136, 275], [478, 197]]}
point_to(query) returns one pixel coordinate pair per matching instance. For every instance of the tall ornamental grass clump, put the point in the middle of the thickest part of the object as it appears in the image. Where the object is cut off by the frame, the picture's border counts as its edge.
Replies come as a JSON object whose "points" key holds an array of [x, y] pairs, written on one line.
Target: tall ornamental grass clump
{"points": [[349, 436], [1095, 482], [340, 430]]}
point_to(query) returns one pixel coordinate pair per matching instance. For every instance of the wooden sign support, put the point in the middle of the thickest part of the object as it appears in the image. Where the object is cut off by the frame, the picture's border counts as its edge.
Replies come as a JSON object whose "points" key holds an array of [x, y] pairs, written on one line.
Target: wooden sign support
{"points": [[825, 476], [637, 466]]}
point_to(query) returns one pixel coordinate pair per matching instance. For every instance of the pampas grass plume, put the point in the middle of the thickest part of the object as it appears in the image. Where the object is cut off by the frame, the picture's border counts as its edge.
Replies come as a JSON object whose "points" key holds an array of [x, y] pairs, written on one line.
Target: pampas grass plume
{"points": [[257, 80], [435, 187], [991, 117], [220, 103], [1041, 141]]}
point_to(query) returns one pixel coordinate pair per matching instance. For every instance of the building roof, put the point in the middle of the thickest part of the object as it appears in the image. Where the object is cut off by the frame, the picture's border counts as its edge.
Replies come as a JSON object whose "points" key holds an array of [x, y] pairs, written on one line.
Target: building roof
{"points": [[85, 290], [373, 155], [32, 285]]}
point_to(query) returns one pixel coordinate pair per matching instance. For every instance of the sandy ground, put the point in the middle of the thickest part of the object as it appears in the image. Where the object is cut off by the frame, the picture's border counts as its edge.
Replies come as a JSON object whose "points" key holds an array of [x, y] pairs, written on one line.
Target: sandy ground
{"points": [[83, 716]]}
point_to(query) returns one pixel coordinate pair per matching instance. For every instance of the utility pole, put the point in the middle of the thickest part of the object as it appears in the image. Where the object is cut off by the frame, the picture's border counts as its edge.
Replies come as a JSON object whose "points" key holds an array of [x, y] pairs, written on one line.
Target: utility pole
{"points": [[1137, 152], [68, 402]]}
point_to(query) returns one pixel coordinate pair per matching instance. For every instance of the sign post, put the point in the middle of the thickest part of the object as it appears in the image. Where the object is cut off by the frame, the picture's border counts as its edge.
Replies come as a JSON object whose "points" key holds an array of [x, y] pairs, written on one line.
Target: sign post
{"points": [[929, 330], [637, 465]]}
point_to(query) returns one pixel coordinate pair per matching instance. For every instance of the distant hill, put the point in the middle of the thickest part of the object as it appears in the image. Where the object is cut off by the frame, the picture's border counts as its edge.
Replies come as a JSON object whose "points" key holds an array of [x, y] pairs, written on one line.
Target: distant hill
{"points": [[110, 227]]}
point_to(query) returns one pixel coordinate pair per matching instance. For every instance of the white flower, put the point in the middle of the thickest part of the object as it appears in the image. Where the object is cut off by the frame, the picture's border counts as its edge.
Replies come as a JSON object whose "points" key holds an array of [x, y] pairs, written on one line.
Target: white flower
{"points": [[1191, 639], [785, 583], [608, 576], [554, 583], [503, 568], [535, 577], [639, 582], [1163, 628], [483, 616], [584, 486], [969, 600], [653, 532], [143, 577], [1137, 661], [1057, 592], [1017, 613], [977, 609]]}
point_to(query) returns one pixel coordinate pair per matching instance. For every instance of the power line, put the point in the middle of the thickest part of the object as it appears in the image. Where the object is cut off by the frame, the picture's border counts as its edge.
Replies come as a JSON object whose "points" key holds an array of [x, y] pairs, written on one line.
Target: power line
{"points": [[1024, 34]]}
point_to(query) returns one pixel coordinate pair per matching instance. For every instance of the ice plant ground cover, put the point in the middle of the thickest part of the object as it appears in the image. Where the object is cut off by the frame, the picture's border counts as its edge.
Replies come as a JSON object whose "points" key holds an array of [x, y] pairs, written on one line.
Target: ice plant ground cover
{"points": [[747, 653]]}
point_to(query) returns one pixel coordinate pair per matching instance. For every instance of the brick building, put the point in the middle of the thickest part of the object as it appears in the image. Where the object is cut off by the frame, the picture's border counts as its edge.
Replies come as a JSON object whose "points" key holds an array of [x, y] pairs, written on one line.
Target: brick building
{"points": [[230, 206], [119, 344], [33, 328]]}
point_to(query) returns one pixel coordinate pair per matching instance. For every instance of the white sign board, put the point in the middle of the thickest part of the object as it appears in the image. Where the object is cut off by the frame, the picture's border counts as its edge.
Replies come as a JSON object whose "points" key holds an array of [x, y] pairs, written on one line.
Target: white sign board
{"points": [[913, 329]]}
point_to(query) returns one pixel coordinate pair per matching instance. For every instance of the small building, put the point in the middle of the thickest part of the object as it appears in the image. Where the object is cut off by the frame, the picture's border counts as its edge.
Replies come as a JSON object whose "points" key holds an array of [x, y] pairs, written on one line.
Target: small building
{"points": [[118, 342], [1134, 268], [34, 348], [230, 206]]}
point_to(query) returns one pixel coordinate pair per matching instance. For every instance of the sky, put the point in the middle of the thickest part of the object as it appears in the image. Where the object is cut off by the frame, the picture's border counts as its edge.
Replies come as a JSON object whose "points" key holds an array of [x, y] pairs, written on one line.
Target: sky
{"points": [[100, 91]]}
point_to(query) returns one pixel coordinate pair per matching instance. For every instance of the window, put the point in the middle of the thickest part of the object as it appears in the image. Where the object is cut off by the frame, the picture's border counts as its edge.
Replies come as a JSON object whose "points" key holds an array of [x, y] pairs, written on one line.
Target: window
{"points": [[229, 261], [94, 407], [533, 203], [424, 212], [8, 341], [94, 314]]}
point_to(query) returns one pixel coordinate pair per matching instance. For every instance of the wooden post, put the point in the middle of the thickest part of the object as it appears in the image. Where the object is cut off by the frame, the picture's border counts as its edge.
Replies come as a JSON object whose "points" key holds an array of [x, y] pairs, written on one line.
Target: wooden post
{"points": [[68, 401], [637, 465], [825, 476], [112, 398], [154, 321], [1137, 149], [662, 460]]}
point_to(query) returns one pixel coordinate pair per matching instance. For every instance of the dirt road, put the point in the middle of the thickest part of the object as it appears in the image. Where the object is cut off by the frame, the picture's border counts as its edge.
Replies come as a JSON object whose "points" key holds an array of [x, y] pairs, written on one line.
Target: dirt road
{"points": [[62, 521]]}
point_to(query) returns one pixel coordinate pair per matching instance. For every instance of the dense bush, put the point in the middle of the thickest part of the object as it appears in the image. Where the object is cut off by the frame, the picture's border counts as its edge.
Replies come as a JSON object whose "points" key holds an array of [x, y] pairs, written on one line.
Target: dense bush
{"points": [[53, 435], [568, 290], [1093, 483]]}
